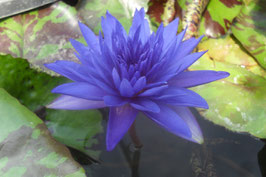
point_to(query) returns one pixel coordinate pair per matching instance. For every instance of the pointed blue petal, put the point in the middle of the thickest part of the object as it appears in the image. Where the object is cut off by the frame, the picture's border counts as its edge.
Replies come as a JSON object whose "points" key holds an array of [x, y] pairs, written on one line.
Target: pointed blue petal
{"points": [[109, 25], [140, 84], [170, 121], [116, 78], [74, 103], [80, 90], [153, 91], [90, 37], [111, 100], [126, 89], [182, 97], [194, 78], [187, 46], [170, 32], [192, 123], [140, 21], [79, 47], [69, 69], [144, 104], [120, 120], [188, 60]]}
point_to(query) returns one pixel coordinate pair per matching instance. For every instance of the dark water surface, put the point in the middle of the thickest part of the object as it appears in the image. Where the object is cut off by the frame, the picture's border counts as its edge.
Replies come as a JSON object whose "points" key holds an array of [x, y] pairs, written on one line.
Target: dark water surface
{"points": [[224, 154]]}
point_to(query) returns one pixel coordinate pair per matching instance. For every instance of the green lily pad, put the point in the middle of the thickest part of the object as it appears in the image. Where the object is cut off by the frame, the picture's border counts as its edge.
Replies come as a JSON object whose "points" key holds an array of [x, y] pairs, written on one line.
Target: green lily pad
{"points": [[218, 17], [237, 102], [91, 11], [77, 129], [42, 36], [33, 89], [250, 30], [27, 148]]}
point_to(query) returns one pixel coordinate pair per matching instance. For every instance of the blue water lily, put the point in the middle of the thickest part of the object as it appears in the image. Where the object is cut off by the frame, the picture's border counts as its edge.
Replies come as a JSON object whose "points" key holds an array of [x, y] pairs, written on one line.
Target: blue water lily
{"points": [[136, 72]]}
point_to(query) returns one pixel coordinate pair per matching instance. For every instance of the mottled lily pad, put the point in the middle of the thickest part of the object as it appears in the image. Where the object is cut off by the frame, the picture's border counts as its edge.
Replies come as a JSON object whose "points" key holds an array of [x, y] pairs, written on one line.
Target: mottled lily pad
{"points": [[250, 30], [42, 36], [218, 17], [33, 89], [237, 102], [91, 11], [27, 148]]}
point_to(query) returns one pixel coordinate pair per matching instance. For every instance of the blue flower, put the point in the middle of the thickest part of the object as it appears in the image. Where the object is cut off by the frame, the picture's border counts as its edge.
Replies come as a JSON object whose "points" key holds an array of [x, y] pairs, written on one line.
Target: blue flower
{"points": [[135, 72]]}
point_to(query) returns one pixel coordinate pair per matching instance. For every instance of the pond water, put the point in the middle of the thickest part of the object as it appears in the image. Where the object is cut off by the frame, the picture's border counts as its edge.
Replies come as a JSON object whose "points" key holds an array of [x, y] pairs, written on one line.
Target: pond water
{"points": [[223, 154]]}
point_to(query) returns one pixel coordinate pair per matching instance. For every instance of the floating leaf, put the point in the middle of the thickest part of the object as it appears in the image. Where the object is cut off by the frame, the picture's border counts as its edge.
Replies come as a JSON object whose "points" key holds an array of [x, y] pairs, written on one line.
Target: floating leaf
{"points": [[91, 11], [30, 87], [41, 36], [76, 129], [27, 148], [218, 17], [250, 30], [33, 89], [238, 102]]}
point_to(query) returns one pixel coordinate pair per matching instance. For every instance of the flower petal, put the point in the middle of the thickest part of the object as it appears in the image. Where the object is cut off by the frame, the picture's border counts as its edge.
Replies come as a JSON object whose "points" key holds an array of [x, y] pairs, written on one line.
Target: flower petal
{"points": [[182, 97], [110, 100], [69, 69], [194, 78], [116, 78], [140, 21], [126, 89], [153, 91], [120, 120], [144, 104], [74, 103], [191, 121], [140, 84], [188, 60], [90, 37], [80, 90], [187, 46], [169, 120], [170, 32], [109, 25]]}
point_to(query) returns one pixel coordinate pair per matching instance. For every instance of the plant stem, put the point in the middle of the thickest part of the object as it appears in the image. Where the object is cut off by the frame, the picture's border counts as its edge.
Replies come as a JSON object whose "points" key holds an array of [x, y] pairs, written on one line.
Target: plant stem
{"points": [[134, 137], [192, 17]]}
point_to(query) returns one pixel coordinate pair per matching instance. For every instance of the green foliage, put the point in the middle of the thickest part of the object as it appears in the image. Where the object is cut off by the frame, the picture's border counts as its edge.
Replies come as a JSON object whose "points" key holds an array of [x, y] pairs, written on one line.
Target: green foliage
{"points": [[76, 129], [27, 148], [33, 89], [250, 30], [42, 36], [237, 102], [30, 87]]}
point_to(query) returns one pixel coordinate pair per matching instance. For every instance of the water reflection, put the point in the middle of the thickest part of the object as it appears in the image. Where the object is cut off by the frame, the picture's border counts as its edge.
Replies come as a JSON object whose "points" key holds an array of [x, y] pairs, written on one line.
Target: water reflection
{"points": [[223, 154]]}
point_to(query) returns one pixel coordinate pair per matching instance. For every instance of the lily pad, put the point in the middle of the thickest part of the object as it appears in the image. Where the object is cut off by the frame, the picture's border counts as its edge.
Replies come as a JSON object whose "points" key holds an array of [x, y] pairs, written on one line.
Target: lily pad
{"points": [[250, 30], [77, 129], [237, 102], [91, 11], [218, 17], [42, 36], [27, 148], [33, 89]]}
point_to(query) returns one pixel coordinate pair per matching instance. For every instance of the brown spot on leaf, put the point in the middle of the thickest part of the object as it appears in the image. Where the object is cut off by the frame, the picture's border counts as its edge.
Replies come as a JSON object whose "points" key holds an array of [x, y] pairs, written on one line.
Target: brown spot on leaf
{"points": [[156, 8], [231, 3], [212, 26]]}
